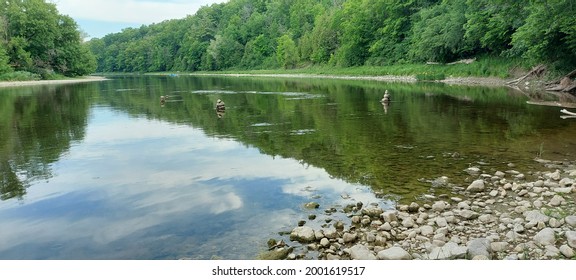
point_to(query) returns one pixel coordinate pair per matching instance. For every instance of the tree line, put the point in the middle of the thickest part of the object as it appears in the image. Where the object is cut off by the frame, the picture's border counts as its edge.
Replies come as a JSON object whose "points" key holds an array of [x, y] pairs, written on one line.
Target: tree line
{"points": [[264, 34], [37, 41]]}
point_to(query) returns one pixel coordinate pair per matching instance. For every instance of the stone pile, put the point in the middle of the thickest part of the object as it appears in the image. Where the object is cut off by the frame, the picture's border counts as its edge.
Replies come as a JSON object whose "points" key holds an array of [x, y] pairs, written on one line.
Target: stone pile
{"points": [[497, 216]]}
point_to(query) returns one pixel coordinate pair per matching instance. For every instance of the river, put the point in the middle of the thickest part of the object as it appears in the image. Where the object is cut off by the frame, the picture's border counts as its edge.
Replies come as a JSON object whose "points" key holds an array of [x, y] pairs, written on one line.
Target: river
{"points": [[105, 170]]}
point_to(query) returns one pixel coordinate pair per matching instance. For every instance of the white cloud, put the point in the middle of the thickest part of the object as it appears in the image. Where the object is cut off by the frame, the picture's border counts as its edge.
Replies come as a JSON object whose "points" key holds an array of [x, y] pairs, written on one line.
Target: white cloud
{"points": [[130, 11]]}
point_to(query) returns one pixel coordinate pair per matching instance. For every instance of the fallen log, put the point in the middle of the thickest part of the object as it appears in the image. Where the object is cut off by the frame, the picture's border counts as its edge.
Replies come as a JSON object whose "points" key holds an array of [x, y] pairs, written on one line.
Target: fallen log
{"points": [[568, 112], [536, 71]]}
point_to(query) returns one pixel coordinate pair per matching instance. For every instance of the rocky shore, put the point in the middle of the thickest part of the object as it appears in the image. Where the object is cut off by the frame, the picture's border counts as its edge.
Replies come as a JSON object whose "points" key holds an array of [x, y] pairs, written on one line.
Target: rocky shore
{"points": [[506, 215]]}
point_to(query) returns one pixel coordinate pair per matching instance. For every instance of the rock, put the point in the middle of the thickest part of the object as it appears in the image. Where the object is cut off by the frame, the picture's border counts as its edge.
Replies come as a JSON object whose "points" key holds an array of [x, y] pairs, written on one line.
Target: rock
{"points": [[479, 246], [332, 257], [390, 216], [545, 237], [426, 230], [476, 186], [498, 246], [571, 220], [487, 218], [553, 175], [472, 170], [374, 212], [349, 237], [468, 214], [331, 233], [567, 251], [551, 251], [303, 234], [408, 222], [311, 205], [413, 207], [536, 216], [324, 242], [441, 222], [339, 225], [361, 252], [450, 251], [394, 253], [571, 238], [556, 200], [439, 206]]}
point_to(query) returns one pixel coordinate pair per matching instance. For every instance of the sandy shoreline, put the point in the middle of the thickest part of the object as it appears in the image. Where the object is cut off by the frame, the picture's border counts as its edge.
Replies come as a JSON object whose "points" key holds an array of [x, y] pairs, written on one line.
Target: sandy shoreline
{"points": [[4, 84], [477, 81]]}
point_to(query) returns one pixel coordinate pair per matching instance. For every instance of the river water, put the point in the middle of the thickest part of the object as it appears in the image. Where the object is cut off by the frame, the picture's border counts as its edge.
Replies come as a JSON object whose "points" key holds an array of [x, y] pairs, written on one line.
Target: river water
{"points": [[105, 170]]}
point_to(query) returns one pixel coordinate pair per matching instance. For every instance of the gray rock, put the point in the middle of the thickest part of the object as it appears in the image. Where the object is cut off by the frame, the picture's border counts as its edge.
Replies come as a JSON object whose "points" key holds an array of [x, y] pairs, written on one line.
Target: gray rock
{"points": [[408, 222], [487, 218], [545, 237], [441, 222], [567, 251], [426, 230], [479, 246], [361, 252], [324, 242], [372, 211], [390, 216], [556, 200], [331, 233], [349, 237], [468, 214], [476, 186], [450, 251], [498, 246], [394, 253], [439, 206], [571, 220], [551, 251], [536, 216], [311, 205], [303, 234], [571, 238]]}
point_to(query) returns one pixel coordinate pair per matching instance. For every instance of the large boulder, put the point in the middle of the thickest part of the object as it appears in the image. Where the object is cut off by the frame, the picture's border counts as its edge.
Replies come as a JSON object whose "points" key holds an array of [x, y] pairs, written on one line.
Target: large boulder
{"points": [[394, 253], [361, 252], [546, 236], [479, 247], [303, 234]]}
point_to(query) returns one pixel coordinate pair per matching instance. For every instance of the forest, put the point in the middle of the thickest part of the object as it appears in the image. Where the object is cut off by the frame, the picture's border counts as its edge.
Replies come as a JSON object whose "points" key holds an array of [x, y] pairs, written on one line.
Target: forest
{"points": [[273, 34], [37, 42]]}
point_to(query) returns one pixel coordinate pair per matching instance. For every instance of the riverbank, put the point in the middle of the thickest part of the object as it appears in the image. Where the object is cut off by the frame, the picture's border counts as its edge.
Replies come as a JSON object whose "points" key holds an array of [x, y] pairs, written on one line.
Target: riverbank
{"points": [[472, 81], [4, 84], [498, 215]]}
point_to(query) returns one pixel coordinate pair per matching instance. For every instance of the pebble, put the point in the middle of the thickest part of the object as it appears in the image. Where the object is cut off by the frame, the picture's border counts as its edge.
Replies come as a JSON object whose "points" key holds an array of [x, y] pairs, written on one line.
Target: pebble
{"points": [[515, 219]]}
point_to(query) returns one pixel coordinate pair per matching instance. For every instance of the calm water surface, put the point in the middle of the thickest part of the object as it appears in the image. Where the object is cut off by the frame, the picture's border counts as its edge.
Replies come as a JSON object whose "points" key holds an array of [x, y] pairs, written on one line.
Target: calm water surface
{"points": [[104, 171]]}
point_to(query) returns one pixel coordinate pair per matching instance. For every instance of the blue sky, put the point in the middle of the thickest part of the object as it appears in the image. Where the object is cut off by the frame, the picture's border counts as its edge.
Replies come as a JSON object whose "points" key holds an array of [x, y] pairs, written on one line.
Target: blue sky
{"points": [[100, 17]]}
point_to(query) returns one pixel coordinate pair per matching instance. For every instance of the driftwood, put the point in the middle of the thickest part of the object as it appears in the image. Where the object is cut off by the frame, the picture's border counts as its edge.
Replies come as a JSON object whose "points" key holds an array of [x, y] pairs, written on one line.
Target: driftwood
{"points": [[566, 83], [568, 112], [536, 71]]}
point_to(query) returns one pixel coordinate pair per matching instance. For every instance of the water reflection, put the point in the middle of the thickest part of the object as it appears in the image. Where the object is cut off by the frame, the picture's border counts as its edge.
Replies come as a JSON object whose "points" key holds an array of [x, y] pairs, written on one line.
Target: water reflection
{"points": [[100, 171]]}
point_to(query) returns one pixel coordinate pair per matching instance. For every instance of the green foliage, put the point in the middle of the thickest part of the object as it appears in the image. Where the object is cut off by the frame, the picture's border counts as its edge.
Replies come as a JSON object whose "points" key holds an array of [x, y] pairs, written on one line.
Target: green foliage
{"points": [[286, 52], [549, 34], [38, 39], [20, 76], [248, 34]]}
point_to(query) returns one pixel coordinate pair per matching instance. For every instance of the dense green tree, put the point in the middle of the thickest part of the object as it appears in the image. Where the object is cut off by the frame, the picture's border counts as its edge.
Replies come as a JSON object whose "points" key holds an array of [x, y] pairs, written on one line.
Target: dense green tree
{"points": [[39, 39], [438, 33], [549, 33], [286, 53], [255, 34]]}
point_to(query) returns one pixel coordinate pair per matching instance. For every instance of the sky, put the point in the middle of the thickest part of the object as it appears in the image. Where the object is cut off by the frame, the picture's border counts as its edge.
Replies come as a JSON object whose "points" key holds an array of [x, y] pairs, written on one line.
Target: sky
{"points": [[98, 18]]}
